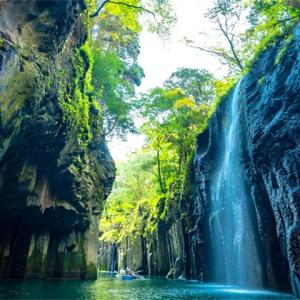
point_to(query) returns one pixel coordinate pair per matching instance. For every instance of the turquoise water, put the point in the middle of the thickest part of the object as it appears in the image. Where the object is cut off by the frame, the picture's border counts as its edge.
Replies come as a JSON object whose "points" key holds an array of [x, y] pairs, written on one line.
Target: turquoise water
{"points": [[108, 288]]}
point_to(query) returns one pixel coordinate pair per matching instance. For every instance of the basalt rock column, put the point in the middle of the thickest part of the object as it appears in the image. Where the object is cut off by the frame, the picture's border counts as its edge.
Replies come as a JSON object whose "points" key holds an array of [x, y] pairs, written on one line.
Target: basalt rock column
{"points": [[55, 173], [247, 176]]}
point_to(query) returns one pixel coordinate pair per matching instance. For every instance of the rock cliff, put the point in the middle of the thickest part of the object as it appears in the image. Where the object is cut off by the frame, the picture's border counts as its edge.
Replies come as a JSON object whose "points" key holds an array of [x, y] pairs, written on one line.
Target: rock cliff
{"points": [[55, 168], [269, 130]]}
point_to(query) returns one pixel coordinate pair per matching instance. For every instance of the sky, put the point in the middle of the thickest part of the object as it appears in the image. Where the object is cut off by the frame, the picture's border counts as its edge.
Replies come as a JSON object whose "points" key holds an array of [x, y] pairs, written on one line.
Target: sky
{"points": [[159, 58]]}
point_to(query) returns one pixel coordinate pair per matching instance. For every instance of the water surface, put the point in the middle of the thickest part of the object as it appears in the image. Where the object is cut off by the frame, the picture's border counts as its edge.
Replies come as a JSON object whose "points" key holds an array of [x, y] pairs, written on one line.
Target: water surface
{"points": [[108, 288]]}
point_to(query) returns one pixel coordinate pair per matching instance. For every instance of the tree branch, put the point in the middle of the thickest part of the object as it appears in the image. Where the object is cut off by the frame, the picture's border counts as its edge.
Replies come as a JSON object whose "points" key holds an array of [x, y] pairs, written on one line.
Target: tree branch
{"points": [[217, 53], [97, 12], [120, 3], [160, 180], [111, 128], [236, 58], [282, 21]]}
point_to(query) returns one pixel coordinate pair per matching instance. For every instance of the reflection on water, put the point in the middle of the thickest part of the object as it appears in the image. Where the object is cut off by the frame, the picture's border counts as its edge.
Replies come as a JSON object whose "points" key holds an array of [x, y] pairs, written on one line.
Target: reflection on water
{"points": [[108, 288]]}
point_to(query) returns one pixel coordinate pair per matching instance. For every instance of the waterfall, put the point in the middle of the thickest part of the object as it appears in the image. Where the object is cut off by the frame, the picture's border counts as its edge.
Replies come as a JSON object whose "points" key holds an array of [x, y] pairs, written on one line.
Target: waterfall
{"points": [[113, 258], [235, 254]]}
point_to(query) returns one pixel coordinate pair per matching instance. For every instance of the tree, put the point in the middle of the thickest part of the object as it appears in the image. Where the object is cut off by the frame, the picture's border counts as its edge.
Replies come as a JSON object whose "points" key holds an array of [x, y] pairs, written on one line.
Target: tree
{"points": [[243, 41], [116, 71], [160, 11], [133, 199], [146, 184], [132, 5], [196, 83], [226, 16], [114, 91], [173, 118]]}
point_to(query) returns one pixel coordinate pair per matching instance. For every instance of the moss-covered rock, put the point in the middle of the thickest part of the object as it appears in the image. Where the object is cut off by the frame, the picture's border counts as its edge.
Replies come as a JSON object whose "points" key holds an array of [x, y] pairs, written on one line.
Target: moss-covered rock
{"points": [[55, 168]]}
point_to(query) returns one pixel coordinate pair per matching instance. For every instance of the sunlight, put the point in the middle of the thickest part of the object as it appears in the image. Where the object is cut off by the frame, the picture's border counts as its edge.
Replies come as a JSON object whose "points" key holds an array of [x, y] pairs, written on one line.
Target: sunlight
{"points": [[149, 149], [159, 58]]}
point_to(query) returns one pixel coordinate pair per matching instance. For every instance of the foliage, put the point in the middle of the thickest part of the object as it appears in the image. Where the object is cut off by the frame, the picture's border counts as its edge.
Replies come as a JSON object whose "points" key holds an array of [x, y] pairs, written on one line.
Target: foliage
{"points": [[115, 32], [116, 71], [269, 20], [116, 26], [164, 17], [247, 27], [160, 12], [114, 91], [148, 185], [133, 199], [198, 84], [223, 88], [76, 97], [172, 120]]}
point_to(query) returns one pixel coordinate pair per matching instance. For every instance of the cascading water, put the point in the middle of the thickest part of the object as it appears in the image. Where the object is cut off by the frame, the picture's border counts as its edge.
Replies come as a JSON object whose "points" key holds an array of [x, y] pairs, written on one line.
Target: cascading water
{"points": [[235, 254], [114, 259]]}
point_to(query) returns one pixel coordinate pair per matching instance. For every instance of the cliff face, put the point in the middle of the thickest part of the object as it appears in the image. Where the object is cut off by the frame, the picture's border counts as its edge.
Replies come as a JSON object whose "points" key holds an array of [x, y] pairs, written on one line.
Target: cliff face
{"points": [[55, 169], [272, 119], [269, 135], [160, 253]]}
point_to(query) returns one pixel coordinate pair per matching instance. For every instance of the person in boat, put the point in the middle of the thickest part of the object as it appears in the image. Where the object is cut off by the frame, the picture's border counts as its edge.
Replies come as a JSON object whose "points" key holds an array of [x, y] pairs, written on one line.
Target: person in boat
{"points": [[122, 272], [130, 272]]}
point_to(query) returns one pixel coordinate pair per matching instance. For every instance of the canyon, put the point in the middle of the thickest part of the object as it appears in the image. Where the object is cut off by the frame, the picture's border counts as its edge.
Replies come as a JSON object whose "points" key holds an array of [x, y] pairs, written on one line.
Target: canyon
{"points": [[237, 220]]}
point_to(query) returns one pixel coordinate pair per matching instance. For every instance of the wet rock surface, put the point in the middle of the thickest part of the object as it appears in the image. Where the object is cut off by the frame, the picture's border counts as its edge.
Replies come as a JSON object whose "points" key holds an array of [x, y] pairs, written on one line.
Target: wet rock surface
{"points": [[52, 189], [269, 141]]}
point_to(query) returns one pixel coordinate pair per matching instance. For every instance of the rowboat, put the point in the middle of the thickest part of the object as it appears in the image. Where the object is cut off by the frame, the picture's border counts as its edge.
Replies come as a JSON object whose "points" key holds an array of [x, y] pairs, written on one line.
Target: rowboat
{"points": [[128, 277]]}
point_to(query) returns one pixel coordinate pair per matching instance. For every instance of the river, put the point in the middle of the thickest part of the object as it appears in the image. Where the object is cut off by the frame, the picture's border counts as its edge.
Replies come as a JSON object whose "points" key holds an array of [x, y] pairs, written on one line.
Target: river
{"points": [[108, 288]]}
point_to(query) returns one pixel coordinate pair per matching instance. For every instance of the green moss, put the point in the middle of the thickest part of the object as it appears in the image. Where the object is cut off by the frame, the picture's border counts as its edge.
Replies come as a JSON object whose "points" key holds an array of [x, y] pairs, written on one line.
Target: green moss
{"points": [[80, 108], [283, 49], [261, 80], [49, 83], [87, 58]]}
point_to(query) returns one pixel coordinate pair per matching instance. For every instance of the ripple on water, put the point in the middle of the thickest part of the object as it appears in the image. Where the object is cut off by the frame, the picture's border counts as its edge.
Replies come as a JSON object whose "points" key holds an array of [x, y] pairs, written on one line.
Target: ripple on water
{"points": [[108, 288]]}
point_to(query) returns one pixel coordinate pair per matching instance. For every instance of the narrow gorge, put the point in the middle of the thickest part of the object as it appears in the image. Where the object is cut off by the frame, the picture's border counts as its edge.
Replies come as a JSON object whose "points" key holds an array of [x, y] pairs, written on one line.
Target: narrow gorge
{"points": [[201, 202], [237, 219]]}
